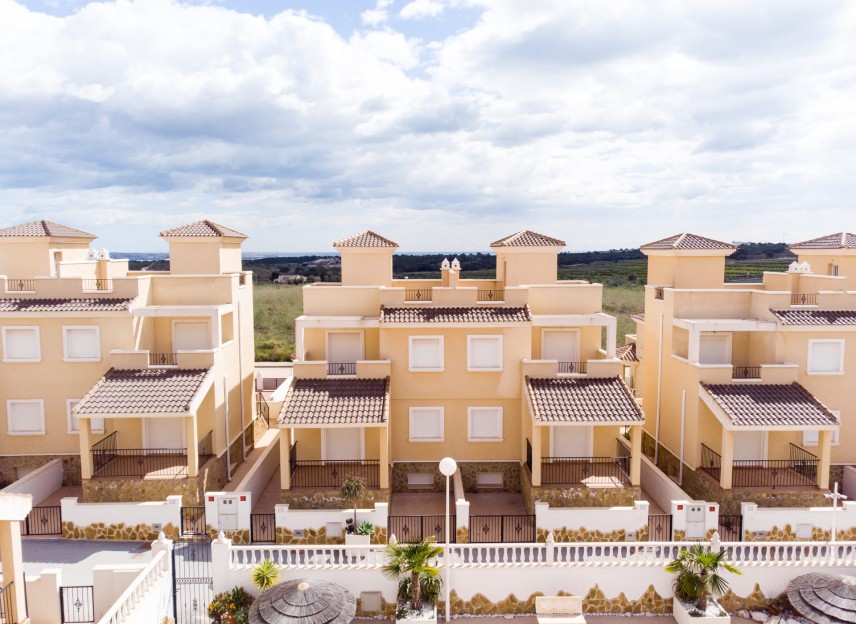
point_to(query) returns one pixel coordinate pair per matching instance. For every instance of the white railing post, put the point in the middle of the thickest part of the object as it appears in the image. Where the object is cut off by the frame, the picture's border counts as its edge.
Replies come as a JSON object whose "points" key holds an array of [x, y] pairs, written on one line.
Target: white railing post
{"points": [[550, 549], [221, 564]]}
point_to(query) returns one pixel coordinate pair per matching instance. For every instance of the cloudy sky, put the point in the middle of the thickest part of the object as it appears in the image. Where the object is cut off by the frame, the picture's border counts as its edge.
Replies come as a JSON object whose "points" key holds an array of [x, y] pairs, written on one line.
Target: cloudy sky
{"points": [[443, 124]]}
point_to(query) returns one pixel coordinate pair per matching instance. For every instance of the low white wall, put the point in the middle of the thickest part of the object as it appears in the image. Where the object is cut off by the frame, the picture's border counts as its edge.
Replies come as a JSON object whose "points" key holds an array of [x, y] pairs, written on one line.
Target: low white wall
{"points": [[603, 519], [300, 519], [256, 480], [241, 503], [799, 518], [40, 483], [109, 582], [659, 487], [695, 518], [129, 514], [43, 596]]}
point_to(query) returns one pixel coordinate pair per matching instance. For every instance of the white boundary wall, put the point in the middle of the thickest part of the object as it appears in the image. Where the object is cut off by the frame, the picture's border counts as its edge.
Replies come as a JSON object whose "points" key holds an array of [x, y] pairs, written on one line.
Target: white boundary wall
{"points": [[260, 474], [604, 519], [301, 519], [800, 519], [40, 483], [129, 514]]}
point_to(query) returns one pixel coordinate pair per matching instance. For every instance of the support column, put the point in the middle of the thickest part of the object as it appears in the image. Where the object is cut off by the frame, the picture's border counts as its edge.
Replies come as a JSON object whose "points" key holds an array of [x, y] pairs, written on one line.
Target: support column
{"points": [[13, 567], [611, 332], [636, 455], [284, 460], [383, 445], [727, 461], [536, 455], [192, 438], [84, 426], [825, 444]]}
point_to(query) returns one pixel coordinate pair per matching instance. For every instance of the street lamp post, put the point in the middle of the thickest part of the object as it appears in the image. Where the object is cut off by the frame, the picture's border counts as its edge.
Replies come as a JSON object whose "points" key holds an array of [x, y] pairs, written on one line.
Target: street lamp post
{"points": [[448, 467], [835, 495]]}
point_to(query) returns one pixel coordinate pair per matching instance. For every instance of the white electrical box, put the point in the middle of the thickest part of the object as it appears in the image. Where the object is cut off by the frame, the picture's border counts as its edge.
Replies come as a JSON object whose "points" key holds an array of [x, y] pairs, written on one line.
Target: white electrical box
{"points": [[227, 513]]}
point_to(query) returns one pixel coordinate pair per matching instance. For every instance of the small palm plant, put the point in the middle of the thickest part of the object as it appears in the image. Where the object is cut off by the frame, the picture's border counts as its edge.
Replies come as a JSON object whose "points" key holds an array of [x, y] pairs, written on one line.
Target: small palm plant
{"points": [[265, 575], [698, 575], [412, 565], [352, 490]]}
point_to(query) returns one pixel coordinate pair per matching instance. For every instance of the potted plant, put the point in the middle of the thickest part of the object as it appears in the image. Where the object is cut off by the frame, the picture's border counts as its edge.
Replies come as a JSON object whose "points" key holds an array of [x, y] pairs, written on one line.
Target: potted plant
{"points": [[232, 607], [419, 581], [698, 579], [361, 535], [353, 489]]}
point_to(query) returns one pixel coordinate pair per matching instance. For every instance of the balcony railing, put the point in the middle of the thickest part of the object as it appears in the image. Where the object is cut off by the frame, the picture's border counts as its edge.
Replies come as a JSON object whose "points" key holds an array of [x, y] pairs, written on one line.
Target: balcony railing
{"points": [[262, 408], [746, 372], [572, 368], [110, 461], [95, 285], [586, 471], [800, 470], [418, 295], [341, 368], [803, 299], [8, 609], [163, 359], [20, 285], [658, 293], [490, 295], [318, 473]]}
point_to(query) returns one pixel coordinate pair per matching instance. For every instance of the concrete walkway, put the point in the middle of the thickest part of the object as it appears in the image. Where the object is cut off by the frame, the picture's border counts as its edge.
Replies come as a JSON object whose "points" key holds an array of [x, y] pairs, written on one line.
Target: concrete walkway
{"points": [[254, 456]]}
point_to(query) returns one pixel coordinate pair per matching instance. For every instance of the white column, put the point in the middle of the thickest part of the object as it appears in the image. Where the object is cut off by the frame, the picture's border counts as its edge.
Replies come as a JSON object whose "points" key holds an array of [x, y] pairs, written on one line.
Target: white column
{"points": [[220, 563]]}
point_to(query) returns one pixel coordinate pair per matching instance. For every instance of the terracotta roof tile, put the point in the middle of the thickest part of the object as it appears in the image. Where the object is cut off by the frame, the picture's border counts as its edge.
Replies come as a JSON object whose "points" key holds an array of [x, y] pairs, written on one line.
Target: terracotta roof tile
{"points": [[816, 317], [770, 405], [479, 314], [365, 239], [44, 229], [627, 353], [336, 402], [91, 304], [203, 229], [583, 400], [143, 391], [687, 241], [841, 240], [528, 238]]}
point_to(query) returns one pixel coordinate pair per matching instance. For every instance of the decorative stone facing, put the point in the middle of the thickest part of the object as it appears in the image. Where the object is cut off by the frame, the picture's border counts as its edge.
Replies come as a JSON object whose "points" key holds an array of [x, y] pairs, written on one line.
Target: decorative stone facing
{"points": [[319, 536], [259, 427], [10, 465], [788, 534], [732, 603], [240, 537], [387, 609], [679, 535], [587, 535], [329, 499], [510, 475], [119, 532], [575, 496], [462, 535]]}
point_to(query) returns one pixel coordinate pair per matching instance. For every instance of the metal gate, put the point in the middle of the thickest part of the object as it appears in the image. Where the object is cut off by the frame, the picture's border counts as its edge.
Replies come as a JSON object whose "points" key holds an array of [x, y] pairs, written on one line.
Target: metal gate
{"points": [[731, 527], [77, 604], [263, 528], [192, 579], [43, 521], [505, 529], [660, 528], [417, 528], [193, 521]]}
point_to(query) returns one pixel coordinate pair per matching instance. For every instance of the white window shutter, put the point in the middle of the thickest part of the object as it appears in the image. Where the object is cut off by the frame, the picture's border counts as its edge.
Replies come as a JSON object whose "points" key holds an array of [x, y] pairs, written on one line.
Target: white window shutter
{"points": [[26, 417], [22, 344], [426, 353], [825, 357], [485, 352]]}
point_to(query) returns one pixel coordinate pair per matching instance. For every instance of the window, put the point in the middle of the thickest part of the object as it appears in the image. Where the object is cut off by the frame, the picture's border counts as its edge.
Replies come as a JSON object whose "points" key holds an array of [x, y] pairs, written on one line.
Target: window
{"points": [[825, 357], [96, 424], [484, 424], [426, 353], [21, 344], [26, 417], [484, 353], [82, 343], [426, 424]]}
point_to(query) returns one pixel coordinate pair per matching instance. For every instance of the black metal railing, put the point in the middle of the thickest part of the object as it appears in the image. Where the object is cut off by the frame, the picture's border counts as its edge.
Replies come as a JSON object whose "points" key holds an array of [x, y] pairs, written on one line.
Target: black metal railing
{"points": [[660, 527], [803, 299], [731, 527], [97, 284], [163, 359], [110, 461], [658, 292], [77, 604], [332, 473], [572, 368], [269, 384], [193, 521], [262, 408], [711, 461], [341, 368], [20, 285], [799, 470], [622, 450], [263, 528], [8, 613], [409, 529], [292, 459], [103, 451], [746, 372], [490, 294], [529, 455], [578, 470], [46, 520], [502, 529], [205, 446], [803, 462], [417, 295]]}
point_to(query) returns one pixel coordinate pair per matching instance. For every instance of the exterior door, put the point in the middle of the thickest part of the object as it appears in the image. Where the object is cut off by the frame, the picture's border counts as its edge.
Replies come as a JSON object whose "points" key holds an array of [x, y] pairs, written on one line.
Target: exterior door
{"points": [[561, 345], [571, 441], [750, 445], [344, 347], [191, 336], [343, 443], [164, 433], [714, 349]]}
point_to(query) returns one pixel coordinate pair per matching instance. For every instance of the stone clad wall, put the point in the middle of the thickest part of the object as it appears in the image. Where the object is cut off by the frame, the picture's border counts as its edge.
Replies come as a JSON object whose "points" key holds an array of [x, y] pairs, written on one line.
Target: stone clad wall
{"points": [[10, 464], [119, 532], [595, 601], [311, 498], [319, 536], [590, 535], [788, 533], [510, 475], [575, 496]]}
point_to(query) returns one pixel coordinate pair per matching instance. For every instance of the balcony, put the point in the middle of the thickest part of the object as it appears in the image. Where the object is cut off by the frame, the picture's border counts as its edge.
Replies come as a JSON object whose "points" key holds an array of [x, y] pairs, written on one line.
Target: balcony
{"points": [[592, 472], [418, 295], [490, 295], [799, 471], [572, 368], [330, 474], [14, 284], [745, 373], [109, 461], [163, 359], [341, 369], [97, 285], [803, 299]]}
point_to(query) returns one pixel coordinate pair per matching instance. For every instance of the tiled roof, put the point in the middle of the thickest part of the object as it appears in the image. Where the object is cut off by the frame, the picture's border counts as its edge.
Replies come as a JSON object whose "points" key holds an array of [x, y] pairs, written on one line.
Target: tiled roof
{"points": [[841, 240], [203, 229], [480, 314], [582, 400], [365, 239], [528, 238], [143, 391], [770, 405], [336, 402], [638, 316], [91, 304], [627, 353], [687, 241], [42, 229], [816, 317]]}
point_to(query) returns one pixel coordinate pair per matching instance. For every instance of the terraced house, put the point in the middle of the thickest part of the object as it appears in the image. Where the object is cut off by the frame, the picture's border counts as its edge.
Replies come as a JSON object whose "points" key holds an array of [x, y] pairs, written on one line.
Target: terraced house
{"points": [[514, 377], [140, 382], [746, 385]]}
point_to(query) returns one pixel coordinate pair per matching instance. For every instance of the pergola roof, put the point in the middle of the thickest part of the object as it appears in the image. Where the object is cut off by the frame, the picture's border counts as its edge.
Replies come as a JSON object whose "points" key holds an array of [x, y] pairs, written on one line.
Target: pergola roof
{"points": [[768, 406], [583, 400], [335, 401], [476, 314]]}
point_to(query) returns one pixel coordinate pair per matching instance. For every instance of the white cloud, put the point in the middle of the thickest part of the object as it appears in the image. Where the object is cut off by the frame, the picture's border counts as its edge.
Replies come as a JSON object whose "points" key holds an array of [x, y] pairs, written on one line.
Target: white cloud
{"points": [[420, 9], [377, 16]]}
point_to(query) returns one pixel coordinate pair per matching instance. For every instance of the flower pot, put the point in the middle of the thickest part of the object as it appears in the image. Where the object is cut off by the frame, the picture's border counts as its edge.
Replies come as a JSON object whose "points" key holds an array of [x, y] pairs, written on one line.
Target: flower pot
{"points": [[682, 614], [352, 539], [428, 615]]}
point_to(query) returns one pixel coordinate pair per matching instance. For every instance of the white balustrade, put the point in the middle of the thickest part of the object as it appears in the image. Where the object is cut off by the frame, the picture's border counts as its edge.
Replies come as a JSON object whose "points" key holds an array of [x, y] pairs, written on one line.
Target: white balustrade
{"points": [[136, 592]]}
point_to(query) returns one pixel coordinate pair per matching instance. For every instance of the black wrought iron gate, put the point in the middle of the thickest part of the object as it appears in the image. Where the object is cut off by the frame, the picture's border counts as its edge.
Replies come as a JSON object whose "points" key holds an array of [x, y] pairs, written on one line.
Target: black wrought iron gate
{"points": [[192, 579]]}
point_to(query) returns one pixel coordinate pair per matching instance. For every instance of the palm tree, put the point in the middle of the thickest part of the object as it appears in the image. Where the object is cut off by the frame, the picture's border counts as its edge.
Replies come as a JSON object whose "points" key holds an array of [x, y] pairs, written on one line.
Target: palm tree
{"points": [[698, 574], [412, 564]]}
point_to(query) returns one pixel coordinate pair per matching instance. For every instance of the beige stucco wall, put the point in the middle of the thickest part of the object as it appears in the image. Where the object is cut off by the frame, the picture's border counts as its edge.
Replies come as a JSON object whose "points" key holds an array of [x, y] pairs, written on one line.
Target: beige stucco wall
{"points": [[686, 271], [526, 267], [363, 267]]}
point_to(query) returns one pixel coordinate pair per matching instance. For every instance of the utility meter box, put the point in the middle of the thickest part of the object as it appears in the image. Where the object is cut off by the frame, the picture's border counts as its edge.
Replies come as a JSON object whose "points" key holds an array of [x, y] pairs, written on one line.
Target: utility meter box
{"points": [[695, 521], [227, 513]]}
